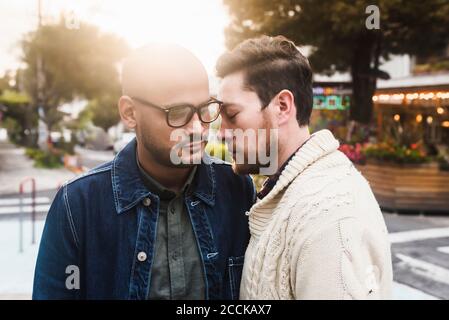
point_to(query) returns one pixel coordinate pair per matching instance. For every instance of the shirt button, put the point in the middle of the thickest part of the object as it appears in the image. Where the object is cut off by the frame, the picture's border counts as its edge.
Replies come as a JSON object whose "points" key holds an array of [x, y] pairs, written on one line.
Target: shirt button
{"points": [[174, 256], [146, 202], [141, 256]]}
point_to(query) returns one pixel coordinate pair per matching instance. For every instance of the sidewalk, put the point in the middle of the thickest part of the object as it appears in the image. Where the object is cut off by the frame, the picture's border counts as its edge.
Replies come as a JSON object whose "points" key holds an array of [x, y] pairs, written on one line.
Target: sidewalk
{"points": [[15, 167]]}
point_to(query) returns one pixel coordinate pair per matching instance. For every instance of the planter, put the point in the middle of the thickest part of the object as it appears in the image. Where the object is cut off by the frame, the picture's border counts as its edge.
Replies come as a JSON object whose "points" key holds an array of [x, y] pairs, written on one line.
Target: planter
{"points": [[421, 187]]}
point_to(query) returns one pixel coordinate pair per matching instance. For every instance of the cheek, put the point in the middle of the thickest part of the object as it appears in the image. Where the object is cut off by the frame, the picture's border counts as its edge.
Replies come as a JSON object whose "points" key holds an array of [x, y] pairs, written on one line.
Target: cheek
{"points": [[154, 130], [251, 121]]}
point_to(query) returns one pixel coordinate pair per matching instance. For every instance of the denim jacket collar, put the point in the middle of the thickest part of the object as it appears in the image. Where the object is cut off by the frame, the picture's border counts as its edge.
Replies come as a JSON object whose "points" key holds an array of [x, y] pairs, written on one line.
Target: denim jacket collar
{"points": [[129, 189]]}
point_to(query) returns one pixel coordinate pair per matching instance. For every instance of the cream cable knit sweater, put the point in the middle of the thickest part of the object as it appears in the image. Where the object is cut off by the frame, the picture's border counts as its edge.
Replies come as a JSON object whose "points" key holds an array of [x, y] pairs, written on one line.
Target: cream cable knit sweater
{"points": [[319, 233]]}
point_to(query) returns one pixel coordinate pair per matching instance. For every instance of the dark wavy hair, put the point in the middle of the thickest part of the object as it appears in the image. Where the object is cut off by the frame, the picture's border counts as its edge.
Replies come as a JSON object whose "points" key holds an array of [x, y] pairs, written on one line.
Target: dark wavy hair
{"points": [[269, 65]]}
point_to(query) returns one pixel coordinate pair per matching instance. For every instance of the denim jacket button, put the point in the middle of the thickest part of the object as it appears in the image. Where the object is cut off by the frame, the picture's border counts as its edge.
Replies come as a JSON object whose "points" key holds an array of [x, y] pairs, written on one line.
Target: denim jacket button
{"points": [[146, 202], [141, 256]]}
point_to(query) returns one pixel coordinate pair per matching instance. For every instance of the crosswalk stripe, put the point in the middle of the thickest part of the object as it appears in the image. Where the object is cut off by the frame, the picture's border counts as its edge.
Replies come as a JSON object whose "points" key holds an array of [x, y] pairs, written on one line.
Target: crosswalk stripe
{"points": [[25, 209], [415, 235], [443, 249], [16, 201], [402, 291], [425, 269]]}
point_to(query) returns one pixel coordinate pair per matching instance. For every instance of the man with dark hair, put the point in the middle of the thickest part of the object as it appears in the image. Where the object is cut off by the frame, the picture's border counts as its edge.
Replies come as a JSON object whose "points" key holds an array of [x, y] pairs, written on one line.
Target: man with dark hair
{"points": [[316, 230], [146, 226], [271, 66]]}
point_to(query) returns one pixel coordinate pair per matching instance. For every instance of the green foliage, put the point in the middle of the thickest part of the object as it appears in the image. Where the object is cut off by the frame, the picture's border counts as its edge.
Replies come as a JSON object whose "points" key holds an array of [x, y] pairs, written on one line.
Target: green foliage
{"points": [[432, 67], [18, 117], [66, 147], [218, 150], [103, 111], [400, 154], [334, 27], [13, 98], [44, 159], [14, 129]]}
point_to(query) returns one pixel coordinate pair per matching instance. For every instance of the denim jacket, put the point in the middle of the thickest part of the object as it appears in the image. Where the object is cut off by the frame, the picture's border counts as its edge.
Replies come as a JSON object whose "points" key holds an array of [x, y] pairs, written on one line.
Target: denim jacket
{"points": [[99, 237]]}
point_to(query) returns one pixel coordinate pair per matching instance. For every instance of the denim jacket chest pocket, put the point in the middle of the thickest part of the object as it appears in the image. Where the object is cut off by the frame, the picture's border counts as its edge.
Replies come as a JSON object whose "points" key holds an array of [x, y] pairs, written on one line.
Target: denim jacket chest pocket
{"points": [[235, 268]]}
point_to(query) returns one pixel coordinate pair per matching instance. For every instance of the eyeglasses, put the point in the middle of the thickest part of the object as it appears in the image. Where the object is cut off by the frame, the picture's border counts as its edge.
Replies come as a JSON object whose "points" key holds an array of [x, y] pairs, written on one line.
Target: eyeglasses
{"points": [[180, 115]]}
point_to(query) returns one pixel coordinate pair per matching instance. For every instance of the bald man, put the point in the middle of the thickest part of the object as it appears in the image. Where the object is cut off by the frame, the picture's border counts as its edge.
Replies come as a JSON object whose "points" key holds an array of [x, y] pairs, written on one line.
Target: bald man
{"points": [[162, 220]]}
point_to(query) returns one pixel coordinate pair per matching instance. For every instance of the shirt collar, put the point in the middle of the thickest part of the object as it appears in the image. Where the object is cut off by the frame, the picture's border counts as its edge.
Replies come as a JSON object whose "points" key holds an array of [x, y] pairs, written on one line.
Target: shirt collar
{"points": [[156, 188]]}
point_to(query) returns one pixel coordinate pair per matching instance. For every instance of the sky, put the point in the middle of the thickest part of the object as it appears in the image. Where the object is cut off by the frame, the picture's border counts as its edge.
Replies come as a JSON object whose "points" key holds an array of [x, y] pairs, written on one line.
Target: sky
{"points": [[195, 24]]}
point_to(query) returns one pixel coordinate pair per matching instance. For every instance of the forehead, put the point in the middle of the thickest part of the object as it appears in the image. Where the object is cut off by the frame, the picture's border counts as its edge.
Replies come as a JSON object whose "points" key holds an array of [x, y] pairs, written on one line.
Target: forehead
{"points": [[164, 93], [192, 90], [232, 89], [165, 76]]}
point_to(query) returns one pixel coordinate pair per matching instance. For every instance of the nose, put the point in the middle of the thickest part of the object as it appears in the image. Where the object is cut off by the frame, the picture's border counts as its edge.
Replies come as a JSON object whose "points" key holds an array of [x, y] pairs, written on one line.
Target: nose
{"points": [[195, 126]]}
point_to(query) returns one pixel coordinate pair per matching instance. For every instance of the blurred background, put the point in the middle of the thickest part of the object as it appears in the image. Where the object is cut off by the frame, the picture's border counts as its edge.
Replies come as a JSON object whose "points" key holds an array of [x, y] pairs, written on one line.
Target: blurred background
{"points": [[381, 85]]}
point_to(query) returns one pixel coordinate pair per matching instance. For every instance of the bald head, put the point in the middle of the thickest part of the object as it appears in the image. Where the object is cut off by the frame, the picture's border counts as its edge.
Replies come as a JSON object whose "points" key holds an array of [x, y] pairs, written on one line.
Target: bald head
{"points": [[162, 75], [162, 69]]}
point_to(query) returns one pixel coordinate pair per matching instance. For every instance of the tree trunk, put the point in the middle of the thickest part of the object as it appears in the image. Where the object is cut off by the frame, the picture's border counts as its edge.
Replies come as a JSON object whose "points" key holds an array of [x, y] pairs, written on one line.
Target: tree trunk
{"points": [[363, 81], [29, 125]]}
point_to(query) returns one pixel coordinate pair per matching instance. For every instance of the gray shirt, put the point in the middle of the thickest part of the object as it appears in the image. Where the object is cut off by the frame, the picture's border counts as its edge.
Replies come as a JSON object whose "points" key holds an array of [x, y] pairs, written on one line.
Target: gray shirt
{"points": [[177, 271]]}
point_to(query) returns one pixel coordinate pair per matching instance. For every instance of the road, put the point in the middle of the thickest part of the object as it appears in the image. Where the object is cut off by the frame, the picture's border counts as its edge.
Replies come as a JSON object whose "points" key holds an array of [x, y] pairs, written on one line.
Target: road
{"points": [[92, 158], [420, 251]]}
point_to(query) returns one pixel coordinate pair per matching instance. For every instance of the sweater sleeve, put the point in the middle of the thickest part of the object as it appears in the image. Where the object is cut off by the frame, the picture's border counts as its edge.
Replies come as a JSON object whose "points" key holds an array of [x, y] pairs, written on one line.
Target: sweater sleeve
{"points": [[336, 262]]}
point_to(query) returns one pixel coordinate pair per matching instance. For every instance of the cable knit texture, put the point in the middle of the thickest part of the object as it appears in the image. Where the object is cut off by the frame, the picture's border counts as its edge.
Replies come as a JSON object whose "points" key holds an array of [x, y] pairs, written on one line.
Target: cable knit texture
{"points": [[319, 233]]}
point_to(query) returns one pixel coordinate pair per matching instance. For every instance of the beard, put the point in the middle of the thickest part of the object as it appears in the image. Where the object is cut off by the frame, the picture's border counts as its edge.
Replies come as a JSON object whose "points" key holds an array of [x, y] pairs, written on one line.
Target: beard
{"points": [[243, 169], [255, 168], [162, 153]]}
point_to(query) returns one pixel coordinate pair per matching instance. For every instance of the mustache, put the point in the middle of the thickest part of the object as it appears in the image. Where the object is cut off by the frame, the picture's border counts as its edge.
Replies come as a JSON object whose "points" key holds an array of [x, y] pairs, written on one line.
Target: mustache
{"points": [[193, 138]]}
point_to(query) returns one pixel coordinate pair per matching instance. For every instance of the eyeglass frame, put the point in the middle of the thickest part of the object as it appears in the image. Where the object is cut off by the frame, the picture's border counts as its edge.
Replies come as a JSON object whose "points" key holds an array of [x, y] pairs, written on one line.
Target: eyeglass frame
{"points": [[194, 109]]}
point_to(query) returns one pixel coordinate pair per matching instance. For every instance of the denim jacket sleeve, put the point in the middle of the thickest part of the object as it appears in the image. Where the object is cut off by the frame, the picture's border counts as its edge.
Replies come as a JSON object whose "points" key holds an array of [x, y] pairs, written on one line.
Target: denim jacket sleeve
{"points": [[57, 273]]}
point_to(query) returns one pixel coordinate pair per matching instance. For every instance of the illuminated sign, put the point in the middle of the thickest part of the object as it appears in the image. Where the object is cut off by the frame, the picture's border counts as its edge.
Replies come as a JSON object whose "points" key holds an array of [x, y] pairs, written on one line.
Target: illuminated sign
{"points": [[331, 102]]}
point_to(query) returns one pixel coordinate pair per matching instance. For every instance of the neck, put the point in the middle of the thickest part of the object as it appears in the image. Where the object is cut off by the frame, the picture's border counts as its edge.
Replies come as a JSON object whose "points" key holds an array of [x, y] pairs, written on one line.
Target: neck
{"points": [[171, 178], [291, 145]]}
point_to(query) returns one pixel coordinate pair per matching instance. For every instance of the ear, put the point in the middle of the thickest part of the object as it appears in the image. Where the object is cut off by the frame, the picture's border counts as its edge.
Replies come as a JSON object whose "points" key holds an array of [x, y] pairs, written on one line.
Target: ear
{"points": [[286, 104], [127, 112]]}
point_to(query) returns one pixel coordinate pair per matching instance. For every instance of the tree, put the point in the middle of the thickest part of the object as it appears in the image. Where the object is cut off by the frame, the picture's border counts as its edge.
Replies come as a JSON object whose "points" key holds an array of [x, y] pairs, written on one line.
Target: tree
{"points": [[20, 121], [66, 63], [5, 81], [340, 40], [104, 111]]}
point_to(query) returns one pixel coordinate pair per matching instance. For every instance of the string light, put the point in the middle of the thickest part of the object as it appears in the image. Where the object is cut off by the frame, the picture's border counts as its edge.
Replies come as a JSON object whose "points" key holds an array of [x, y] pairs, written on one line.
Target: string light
{"points": [[411, 96], [419, 118]]}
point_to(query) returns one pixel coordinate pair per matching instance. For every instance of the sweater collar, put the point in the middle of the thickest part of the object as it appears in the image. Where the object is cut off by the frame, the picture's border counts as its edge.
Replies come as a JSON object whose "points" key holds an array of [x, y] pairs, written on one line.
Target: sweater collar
{"points": [[318, 146], [270, 182]]}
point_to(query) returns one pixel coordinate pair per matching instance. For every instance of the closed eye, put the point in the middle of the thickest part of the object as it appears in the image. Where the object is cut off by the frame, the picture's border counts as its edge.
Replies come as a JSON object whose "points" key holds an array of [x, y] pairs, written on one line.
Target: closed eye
{"points": [[230, 115], [230, 110]]}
